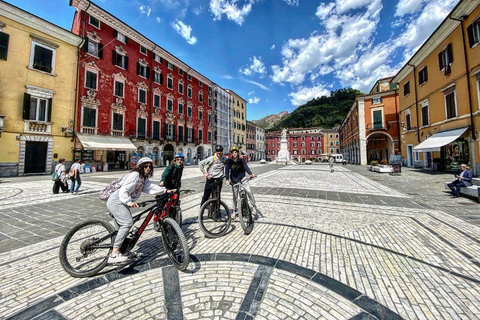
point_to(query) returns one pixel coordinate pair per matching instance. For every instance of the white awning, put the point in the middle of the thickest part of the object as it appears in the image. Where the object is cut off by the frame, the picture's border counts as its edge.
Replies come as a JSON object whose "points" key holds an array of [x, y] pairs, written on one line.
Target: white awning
{"points": [[98, 142], [439, 139]]}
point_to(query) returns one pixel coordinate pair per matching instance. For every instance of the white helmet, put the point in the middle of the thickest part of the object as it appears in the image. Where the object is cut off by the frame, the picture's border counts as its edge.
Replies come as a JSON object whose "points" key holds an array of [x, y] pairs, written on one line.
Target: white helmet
{"points": [[143, 160]]}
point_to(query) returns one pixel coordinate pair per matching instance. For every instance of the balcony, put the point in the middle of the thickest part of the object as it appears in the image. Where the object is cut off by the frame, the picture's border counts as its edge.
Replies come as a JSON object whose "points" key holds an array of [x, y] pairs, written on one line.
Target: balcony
{"points": [[117, 133], [34, 126], [88, 130]]}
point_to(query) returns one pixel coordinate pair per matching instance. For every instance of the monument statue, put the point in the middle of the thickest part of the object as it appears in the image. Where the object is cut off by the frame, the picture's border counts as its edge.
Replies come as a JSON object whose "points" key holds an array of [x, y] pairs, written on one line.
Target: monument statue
{"points": [[283, 153]]}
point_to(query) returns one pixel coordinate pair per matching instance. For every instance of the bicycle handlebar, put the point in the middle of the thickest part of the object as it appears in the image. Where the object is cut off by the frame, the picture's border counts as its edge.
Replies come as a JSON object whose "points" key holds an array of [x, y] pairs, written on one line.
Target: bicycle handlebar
{"points": [[245, 179]]}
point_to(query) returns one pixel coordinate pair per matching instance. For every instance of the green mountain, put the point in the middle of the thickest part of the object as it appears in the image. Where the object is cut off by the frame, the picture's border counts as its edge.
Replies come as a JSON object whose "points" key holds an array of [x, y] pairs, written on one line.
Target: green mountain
{"points": [[325, 112]]}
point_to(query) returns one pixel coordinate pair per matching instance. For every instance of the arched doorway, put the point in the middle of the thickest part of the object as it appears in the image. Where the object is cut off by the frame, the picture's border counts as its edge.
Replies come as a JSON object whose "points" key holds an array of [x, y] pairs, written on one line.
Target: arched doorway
{"points": [[168, 153], [379, 147], [189, 156], [199, 154]]}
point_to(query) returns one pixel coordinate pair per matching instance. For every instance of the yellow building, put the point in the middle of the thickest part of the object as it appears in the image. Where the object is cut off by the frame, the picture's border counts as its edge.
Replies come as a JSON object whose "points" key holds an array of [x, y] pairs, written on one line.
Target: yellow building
{"points": [[332, 141], [38, 70], [239, 124], [439, 90]]}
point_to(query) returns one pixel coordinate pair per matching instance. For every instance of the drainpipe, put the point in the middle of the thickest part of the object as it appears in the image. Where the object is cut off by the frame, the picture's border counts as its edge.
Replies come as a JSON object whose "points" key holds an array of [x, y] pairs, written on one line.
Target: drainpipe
{"points": [[77, 78], [150, 76], [416, 98], [472, 127], [398, 123]]}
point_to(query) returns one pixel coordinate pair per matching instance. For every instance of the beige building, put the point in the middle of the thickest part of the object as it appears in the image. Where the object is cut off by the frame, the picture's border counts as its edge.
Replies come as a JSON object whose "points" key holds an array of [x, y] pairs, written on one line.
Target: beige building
{"points": [[239, 121], [439, 90], [38, 70]]}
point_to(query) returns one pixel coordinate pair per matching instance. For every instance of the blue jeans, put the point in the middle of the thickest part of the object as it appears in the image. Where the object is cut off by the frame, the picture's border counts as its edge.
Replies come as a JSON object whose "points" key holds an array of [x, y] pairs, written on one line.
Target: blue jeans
{"points": [[79, 183]]}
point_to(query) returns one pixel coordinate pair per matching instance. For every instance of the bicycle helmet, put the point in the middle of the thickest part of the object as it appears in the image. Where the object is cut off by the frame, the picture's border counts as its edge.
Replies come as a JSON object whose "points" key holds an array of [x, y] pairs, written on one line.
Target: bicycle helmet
{"points": [[144, 160], [218, 148], [234, 149], [179, 155]]}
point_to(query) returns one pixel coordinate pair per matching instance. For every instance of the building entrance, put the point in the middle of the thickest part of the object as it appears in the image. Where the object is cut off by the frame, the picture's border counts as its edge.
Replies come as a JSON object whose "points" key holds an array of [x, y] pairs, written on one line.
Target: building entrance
{"points": [[35, 156]]}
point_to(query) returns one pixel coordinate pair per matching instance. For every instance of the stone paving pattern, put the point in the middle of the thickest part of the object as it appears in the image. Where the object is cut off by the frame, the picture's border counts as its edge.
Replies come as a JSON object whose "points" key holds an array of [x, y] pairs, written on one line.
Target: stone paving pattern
{"points": [[355, 249]]}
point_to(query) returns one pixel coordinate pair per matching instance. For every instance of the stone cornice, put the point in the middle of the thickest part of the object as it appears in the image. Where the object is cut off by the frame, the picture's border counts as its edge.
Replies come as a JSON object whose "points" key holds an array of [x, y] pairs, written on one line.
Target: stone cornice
{"points": [[42, 26], [463, 8]]}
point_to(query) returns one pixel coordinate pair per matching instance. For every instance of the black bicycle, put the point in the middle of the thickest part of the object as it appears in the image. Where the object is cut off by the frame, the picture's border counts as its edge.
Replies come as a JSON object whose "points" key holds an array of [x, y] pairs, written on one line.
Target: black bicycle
{"points": [[214, 216], [244, 209], [86, 247]]}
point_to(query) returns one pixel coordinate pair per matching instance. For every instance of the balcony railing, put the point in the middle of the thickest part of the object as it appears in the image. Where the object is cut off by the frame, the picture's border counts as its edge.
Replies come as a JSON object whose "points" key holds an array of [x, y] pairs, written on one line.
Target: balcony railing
{"points": [[88, 130], [117, 133], [37, 126]]}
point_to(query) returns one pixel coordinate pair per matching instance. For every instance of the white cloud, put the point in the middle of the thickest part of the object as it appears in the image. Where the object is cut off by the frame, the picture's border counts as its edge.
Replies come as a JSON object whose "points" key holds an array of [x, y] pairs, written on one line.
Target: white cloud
{"points": [[198, 10], [256, 66], [347, 5], [304, 94], [145, 10], [292, 2], [253, 100], [272, 47], [407, 7], [230, 9], [158, 19], [227, 76], [185, 31], [255, 83]]}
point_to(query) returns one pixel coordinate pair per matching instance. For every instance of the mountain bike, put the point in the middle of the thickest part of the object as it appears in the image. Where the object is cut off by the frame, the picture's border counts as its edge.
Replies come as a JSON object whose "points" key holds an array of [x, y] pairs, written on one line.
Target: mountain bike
{"points": [[244, 209], [86, 247], [214, 217]]}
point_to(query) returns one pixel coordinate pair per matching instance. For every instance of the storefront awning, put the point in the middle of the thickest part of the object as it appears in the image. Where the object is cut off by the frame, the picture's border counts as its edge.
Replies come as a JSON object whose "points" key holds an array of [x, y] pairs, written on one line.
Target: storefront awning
{"points": [[439, 139], [98, 142]]}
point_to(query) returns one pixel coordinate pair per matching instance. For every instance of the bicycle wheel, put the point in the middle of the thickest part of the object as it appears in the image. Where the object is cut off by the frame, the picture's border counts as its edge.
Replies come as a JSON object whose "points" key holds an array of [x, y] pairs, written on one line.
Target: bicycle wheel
{"points": [[214, 218], [245, 215], [84, 250], [175, 244]]}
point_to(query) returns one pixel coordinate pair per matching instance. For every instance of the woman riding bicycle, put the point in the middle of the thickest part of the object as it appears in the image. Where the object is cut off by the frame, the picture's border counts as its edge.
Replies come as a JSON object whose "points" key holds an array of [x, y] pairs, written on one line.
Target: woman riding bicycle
{"points": [[213, 170], [235, 169], [120, 202]]}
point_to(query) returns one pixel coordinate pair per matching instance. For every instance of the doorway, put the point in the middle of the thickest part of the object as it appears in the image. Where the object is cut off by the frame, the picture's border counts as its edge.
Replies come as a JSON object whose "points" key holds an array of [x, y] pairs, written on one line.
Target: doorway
{"points": [[167, 154], [35, 156], [410, 156]]}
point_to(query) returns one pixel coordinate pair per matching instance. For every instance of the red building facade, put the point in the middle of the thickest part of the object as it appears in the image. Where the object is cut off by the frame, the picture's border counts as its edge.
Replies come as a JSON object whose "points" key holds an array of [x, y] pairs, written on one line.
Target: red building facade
{"points": [[303, 144], [134, 98]]}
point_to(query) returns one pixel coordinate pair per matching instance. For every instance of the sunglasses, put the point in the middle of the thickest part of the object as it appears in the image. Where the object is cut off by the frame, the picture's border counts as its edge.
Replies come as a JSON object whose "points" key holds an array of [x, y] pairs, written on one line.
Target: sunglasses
{"points": [[148, 166], [179, 159]]}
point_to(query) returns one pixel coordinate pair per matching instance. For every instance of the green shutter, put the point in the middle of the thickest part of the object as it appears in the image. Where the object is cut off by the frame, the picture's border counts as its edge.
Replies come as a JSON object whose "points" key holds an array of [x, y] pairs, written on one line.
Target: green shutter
{"points": [[3, 45], [26, 106], [49, 110]]}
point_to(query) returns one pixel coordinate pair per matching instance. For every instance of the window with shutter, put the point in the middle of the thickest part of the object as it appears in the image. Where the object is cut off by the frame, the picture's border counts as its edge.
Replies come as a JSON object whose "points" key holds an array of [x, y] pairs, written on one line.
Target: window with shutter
{"points": [[91, 80], [4, 45], [117, 121], [450, 104], [156, 130], [89, 117], [377, 119], [42, 58], [473, 32], [141, 126]]}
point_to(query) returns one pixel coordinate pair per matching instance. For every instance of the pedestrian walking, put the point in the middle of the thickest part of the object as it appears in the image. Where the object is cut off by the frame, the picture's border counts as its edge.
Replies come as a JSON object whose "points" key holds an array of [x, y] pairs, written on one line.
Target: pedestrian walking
{"points": [[75, 176], [331, 162]]}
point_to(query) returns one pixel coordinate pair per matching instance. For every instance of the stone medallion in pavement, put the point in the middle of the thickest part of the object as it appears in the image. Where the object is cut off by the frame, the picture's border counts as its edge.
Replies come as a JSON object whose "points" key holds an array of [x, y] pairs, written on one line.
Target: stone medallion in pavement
{"points": [[307, 258]]}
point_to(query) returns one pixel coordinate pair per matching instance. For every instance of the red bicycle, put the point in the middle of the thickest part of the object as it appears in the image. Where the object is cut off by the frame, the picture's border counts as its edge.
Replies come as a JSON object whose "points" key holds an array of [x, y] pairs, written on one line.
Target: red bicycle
{"points": [[85, 249]]}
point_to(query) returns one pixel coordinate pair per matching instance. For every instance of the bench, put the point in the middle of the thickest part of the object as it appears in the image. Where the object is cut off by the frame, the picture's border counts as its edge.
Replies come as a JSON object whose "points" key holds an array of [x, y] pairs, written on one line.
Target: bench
{"points": [[472, 191], [382, 168]]}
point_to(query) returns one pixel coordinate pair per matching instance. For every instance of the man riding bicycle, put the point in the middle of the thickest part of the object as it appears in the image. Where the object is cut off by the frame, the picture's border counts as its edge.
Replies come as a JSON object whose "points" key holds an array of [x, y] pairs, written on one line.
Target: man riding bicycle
{"points": [[235, 169], [213, 170]]}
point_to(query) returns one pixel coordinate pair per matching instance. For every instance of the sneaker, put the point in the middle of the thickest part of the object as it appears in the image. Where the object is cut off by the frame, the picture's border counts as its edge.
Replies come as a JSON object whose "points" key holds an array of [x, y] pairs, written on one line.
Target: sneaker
{"points": [[75, 193], [117, 258], [130, 254]]}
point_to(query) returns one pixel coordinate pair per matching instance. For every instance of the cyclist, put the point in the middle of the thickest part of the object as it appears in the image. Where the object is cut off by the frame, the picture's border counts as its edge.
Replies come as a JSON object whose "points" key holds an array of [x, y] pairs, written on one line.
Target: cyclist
{"points": [[172, 176], [120, 202], [213, 170], [235, 170]]}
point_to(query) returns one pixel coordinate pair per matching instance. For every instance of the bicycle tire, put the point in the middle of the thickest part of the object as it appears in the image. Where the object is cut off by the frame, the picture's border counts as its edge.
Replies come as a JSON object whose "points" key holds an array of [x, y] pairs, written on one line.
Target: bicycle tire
{"points": [[217, 225], [175, 244], [245, 215], [75, 251]]}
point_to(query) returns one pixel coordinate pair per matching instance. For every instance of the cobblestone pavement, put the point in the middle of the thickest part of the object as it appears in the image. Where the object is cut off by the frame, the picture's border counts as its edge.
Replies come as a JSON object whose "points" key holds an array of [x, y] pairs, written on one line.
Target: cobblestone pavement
{"points": [[345, 245]]}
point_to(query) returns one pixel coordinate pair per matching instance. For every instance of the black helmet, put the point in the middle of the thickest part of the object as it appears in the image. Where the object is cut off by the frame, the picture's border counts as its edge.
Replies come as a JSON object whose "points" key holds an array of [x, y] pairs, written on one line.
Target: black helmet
{"points": [[218, 148]]}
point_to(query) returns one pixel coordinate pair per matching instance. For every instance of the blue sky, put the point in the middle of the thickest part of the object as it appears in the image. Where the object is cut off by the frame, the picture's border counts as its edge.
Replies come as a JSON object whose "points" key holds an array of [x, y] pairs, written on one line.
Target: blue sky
{"points": [[276, 54]]}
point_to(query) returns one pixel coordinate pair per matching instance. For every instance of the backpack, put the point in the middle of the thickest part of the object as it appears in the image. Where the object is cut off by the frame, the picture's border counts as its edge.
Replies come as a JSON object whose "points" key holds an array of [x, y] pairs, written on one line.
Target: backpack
{"points": [[55, 176], [111, 188]]}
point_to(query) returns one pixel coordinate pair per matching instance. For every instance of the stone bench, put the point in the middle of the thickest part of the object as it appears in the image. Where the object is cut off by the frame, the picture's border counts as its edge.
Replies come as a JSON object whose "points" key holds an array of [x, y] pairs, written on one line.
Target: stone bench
{"points": [[472, 191], [382, 168]]}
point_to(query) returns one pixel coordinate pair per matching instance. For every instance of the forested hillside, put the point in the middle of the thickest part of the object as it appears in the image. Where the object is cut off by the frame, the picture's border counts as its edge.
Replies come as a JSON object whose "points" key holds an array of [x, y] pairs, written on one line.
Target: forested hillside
{"points": [[325, 112]]}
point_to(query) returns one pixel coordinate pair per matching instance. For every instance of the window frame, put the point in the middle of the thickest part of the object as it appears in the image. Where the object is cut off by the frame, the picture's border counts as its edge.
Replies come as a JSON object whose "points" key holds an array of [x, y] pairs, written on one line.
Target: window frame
{"points": [[170, 82], [448, 92], [90, 17], [169, 105], [406, 88], [115, 88], [425, 106], [140, 91], [422, 76], [113, 120], [142, 49], [155, 96], [32, 56], [4, 47], [87, 71]]}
